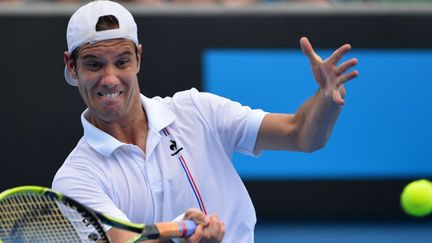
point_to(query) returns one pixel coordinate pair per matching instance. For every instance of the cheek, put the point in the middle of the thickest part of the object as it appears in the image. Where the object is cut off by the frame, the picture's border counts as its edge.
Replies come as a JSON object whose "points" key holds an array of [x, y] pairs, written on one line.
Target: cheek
{"points": [[134, 82], [88, 75], [84, 92], [130, 77]]}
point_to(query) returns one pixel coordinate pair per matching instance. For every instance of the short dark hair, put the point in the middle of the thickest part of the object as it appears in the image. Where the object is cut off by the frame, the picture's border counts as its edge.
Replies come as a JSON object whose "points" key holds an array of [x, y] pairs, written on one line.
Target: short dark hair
{"points": [[106, 22]]}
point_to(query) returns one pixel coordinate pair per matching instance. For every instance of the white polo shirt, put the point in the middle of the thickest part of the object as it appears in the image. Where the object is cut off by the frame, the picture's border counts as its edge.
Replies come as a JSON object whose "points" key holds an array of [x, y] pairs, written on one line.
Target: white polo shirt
{"points": [[187, 164]]}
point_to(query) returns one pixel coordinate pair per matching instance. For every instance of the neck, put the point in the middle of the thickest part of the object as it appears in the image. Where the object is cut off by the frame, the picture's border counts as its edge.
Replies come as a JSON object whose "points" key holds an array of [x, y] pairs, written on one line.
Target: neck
{"points": [[131, 129]]}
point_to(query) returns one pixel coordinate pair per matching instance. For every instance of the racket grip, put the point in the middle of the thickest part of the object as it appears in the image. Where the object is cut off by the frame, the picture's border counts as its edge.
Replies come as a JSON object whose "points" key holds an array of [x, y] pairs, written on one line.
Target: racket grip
{"points": [[187, 228], [180, 229]]}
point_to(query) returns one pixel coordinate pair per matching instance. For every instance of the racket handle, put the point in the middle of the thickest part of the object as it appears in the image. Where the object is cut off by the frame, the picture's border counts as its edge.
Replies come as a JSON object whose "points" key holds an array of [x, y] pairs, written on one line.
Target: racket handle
{"points": [[187, 228], [166, 230], [181, 229]]}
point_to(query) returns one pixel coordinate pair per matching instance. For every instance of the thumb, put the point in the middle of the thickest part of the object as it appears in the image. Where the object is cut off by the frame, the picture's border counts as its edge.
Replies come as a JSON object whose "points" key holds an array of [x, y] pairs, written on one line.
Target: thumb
{"points": [[337, 97], [197, 216]]}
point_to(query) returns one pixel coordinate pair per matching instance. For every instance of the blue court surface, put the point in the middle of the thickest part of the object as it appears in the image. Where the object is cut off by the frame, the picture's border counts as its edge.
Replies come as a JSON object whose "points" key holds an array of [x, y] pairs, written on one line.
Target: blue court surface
{"points": [[343, 232]]}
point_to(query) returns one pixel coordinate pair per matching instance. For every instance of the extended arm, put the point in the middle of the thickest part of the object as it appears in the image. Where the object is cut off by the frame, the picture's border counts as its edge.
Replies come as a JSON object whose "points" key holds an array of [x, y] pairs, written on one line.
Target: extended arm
{"points": [[311, 126]]}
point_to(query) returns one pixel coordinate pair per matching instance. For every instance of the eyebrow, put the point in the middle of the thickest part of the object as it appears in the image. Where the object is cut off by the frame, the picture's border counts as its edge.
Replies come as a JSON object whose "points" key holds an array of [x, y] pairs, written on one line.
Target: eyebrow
{"points": [[88, 56], [127, 52], [91, 56]]}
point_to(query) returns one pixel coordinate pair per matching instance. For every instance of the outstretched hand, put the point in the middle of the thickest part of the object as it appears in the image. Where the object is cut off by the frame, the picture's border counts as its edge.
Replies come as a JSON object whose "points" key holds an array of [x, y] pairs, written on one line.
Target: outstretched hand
{"points": [[329, 75]]}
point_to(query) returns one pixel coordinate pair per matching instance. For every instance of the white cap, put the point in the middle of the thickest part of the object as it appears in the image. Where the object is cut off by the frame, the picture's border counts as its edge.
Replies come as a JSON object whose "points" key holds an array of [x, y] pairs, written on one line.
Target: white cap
{"points": [[82, 27]]}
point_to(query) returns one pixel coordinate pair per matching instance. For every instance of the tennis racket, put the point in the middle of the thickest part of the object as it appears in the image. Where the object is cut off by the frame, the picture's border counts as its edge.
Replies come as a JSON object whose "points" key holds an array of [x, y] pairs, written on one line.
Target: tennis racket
{"points": [[39, 214]]}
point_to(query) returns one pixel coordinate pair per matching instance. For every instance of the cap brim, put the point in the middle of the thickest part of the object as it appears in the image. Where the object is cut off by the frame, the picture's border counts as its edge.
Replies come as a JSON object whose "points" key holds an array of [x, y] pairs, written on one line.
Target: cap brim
{"points": [[69, 79]]}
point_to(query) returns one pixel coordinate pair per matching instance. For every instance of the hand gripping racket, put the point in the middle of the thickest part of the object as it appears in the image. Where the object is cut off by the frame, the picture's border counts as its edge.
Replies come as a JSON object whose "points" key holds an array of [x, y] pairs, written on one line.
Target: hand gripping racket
{"points": [[38, 214]]}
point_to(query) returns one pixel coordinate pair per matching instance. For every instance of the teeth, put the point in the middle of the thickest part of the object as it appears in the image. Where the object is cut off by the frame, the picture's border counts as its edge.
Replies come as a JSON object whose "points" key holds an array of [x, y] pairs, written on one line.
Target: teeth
{"points": [[111, 95]]}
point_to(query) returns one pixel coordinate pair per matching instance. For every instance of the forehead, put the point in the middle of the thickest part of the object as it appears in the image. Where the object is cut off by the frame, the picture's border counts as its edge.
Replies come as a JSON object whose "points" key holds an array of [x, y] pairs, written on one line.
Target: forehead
{"points": [[107, 47]]}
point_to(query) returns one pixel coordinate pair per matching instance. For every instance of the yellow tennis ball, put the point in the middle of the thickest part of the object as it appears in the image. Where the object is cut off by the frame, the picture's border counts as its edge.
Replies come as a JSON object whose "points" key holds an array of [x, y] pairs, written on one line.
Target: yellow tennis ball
{"points": [[416, 198]]}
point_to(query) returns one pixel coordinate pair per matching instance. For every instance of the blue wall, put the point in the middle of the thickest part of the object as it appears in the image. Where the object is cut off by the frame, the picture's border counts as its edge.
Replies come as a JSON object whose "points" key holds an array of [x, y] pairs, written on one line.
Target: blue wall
{"points": [[384, 129]]}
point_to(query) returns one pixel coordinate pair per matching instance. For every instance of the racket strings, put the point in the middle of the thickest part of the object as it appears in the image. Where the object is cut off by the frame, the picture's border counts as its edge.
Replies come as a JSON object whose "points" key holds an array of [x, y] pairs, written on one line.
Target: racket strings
{"points": [[83, 223], [38, 218]]}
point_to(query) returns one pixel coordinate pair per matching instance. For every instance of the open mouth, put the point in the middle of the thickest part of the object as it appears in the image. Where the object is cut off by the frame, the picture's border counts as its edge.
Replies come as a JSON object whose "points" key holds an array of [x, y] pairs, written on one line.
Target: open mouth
{"points": [[110, 95]]}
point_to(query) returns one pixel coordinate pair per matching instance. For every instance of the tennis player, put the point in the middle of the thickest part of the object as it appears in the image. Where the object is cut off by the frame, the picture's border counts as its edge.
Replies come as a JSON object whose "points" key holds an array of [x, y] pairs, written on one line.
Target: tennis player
{"points": [[161, 159]]}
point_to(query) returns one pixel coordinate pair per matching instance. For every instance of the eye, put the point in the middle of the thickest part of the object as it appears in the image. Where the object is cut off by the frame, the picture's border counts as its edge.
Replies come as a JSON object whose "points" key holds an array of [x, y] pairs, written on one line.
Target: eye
{"points": [[123, 62], [93, 65]]}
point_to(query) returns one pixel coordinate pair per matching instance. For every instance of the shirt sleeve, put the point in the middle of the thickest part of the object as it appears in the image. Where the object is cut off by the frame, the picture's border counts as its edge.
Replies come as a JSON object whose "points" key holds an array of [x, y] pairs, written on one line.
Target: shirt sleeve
{"points": [[85, 186], [236, 125]]}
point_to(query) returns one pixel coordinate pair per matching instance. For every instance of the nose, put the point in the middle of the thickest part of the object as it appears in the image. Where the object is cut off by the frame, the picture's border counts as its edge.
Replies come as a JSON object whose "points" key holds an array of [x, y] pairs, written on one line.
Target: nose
{"points": [[110, 76]]}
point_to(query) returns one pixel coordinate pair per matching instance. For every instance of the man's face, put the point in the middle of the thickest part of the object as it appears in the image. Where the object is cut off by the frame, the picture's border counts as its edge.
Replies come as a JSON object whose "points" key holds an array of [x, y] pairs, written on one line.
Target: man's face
{"points": [[107, 78]]}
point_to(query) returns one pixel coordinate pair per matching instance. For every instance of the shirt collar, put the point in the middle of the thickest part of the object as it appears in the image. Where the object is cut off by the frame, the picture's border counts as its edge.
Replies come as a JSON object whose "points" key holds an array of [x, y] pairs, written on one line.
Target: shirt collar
{"points": [[158, 117]]}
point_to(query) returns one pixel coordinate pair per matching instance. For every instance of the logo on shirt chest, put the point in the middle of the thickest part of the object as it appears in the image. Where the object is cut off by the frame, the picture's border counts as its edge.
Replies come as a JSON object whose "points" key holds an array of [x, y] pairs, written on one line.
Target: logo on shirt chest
{"points": [[173, 147]]}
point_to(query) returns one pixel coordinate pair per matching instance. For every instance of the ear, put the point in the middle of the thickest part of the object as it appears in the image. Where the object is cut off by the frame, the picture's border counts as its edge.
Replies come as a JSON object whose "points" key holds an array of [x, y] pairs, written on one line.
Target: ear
{"points": [[70, 64], [139, 52]]}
